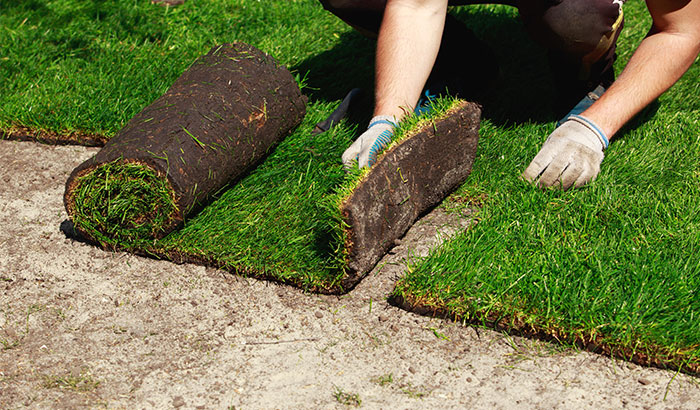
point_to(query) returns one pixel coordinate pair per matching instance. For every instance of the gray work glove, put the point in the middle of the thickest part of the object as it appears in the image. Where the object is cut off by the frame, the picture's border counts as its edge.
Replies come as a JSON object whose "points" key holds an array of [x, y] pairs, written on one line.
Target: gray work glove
{"points": [[366, 148], [570, 156]]}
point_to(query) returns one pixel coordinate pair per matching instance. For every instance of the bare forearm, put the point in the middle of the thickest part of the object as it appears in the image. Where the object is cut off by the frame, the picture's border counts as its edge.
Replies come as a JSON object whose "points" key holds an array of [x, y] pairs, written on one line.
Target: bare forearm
{"points": [[659, 61], [408, 43]]}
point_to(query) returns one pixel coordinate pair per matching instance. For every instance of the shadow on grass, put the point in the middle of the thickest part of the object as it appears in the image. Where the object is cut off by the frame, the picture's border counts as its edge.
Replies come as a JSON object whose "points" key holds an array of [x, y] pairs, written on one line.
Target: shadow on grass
{"points": [[333, 73], [523, 92]]}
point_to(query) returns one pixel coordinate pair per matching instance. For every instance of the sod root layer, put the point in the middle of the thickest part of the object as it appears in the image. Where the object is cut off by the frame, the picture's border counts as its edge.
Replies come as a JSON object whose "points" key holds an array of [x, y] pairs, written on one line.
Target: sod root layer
{"points": [[301, 219], [22, 133], [218, 119], [517, 325], [409, 179]]}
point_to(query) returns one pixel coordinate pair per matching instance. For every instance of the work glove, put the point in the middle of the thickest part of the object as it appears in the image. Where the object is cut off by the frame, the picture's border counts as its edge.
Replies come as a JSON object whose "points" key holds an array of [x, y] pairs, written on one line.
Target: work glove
{"points": [[366, 148], [570, 156]]}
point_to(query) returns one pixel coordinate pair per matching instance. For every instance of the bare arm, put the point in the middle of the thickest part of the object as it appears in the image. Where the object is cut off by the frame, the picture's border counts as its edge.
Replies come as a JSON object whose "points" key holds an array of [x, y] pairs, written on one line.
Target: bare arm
{"points": [[408, 43], [660, 60]]}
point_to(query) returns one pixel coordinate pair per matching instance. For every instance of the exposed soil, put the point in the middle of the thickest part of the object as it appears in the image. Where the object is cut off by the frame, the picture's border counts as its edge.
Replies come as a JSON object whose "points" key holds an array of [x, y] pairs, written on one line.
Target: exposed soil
{"points": [[81, 327]]}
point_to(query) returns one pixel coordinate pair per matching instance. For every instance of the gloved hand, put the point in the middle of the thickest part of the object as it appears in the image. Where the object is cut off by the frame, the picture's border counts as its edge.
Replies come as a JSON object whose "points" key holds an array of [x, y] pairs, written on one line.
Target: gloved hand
{"points": [[570, 156], [366, 148]]}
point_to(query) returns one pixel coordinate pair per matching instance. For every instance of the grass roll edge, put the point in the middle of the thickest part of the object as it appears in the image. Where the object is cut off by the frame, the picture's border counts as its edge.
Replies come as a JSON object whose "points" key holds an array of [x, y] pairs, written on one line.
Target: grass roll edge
{"points": [[122, 203], [520, 323]]}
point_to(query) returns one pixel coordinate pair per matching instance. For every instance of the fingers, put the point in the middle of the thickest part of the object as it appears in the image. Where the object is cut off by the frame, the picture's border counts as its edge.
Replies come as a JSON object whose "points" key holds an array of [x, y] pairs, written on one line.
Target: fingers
{"points": [[350, 155], [383, 139], [538, 164], [569, 176], [588, 175], [366, 148], [553, 172]]}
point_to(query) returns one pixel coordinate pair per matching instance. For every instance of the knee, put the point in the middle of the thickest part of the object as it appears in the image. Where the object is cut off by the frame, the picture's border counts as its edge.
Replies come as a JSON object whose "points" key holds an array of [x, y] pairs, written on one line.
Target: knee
{"points": [[365, 16], [577, 26]]}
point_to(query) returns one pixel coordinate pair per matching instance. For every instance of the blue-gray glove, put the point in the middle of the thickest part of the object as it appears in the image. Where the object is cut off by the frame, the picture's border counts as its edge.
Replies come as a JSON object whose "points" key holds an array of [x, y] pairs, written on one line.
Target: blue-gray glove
{"points": [[570, 156], [368, 145]]}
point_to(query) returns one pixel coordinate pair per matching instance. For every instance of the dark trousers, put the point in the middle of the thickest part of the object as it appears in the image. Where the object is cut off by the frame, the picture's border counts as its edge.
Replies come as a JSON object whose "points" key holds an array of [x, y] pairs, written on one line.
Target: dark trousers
{"points": [[580, 35]]}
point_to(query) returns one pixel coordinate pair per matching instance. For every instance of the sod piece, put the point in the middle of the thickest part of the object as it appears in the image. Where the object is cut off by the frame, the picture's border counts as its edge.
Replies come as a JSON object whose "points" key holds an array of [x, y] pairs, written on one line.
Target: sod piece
{"points": [[86, 68], [219, 118], [613, 268], [410, 178], [299, 218]]}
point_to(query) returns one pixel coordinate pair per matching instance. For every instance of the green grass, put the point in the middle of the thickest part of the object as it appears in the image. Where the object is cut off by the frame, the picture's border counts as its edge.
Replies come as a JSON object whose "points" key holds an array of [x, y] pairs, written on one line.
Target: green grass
{"points": [[82, 383], [347, 399], [90, 66], [283, 221], [123, 202], [616, 264]]}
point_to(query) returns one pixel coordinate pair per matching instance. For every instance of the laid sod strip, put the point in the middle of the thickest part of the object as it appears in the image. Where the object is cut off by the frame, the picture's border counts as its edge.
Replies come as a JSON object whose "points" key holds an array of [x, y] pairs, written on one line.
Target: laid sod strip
{"points": [[613, 268], [617, 275], [220, 117], [300, 218]]}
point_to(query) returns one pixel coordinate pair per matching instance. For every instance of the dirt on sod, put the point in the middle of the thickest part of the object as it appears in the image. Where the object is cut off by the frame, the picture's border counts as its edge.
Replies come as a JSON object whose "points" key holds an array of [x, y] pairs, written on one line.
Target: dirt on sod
{"points": [[23, 133], [410, 178]]}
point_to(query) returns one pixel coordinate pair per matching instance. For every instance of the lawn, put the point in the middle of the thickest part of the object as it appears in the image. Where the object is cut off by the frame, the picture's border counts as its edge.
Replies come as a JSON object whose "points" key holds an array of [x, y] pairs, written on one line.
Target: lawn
{"points": [[614, 267]]}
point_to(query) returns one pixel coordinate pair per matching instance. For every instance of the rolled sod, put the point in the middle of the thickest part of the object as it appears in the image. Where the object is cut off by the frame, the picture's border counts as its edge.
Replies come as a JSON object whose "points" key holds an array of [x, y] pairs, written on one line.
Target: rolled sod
{"points": [[217, 120], [413, 175]]}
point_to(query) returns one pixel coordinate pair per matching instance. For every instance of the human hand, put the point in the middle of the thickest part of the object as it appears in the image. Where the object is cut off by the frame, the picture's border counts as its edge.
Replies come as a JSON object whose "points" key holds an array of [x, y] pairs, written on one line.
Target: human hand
{"points": [[368, 145], [570, 156]]}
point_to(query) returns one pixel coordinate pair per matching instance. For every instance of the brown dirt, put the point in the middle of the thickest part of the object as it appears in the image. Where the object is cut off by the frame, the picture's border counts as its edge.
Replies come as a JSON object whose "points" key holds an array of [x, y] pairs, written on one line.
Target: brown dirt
{"points": [[84, 328]]}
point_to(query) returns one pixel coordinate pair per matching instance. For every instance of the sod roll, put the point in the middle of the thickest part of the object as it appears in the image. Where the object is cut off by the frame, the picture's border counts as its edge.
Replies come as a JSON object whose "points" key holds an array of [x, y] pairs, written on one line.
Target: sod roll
{"points": [[217, 120]]}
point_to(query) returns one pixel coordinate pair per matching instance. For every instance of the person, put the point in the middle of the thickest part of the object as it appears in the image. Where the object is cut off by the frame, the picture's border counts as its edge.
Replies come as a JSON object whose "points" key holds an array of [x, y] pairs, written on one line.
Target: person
{"points": [[420, 46]]}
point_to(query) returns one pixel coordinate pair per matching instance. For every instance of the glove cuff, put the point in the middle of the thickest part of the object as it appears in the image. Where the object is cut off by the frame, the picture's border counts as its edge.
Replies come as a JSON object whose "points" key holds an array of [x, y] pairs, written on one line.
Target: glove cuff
{"points": [[593, 127], [383, 119]]}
